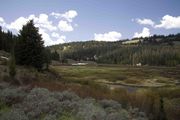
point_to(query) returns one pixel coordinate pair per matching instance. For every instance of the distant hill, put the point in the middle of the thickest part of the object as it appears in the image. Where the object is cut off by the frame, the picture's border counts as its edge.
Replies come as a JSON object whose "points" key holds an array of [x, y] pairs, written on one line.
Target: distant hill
{"points": [[154, 50]]}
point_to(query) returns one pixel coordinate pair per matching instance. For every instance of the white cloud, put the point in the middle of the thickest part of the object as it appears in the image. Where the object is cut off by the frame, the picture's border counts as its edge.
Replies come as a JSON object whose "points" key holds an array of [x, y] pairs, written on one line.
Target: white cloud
{"points": [[55, 35], [49, 41], [45, 36], [169, 22], [145, 22], [110, 36], [145, 33], [1, 19], [69, 15], [43, 21], [65, 26], [49, 28], [61, 40], [56, 15], [17, 24], [2, 22]]}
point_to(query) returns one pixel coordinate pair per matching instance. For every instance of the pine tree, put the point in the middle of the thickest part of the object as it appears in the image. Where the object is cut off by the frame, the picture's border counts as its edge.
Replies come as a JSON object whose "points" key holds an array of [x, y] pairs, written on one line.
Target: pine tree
{"points": [[29, 48], [55, 55], [47, 58], [0, 38], [12, 64]]}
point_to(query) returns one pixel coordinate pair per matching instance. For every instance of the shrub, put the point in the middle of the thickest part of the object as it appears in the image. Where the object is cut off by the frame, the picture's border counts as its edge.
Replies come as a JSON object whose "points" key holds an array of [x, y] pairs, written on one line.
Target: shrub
{"points": [[68, 116], [123, 115], [110, 104], [12, 96], [41, 104], [91, 111], [40, 101], [50, 117], [14, 114]]}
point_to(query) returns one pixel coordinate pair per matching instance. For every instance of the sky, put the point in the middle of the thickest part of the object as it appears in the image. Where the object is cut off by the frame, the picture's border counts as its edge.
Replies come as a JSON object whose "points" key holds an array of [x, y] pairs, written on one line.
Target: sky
{"points": [[62, 21]]}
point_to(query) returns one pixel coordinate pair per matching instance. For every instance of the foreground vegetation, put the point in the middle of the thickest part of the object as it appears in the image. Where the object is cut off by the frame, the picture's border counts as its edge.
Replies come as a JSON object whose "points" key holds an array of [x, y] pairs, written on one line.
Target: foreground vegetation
{"points": [[152, 101], [40, 104]]}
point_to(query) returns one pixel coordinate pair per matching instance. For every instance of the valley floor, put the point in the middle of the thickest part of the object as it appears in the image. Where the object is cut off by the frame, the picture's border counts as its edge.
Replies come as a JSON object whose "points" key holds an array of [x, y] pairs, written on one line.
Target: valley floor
{"points": [[146, 88]]}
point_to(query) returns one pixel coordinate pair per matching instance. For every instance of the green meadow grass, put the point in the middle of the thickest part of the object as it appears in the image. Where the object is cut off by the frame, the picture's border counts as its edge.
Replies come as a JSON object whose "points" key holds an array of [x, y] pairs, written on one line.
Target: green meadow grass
{"points": [[119, 74]]}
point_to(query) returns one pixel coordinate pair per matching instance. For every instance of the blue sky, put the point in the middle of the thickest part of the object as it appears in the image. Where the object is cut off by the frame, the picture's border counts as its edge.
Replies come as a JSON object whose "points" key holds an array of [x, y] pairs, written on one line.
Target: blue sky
{"points": [[78, 20]]}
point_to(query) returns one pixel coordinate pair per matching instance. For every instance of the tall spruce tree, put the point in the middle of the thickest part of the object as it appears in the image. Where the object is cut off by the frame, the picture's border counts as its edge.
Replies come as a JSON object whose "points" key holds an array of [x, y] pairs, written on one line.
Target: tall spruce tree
{"points": [[55, 55], [47, 58], [12, 63], [0, 38], [30, 46]]}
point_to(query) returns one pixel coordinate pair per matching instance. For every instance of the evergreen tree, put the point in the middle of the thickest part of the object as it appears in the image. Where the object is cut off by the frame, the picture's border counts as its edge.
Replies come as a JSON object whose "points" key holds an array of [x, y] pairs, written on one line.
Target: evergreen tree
{"points": [[0, 38], [55, 55], [12, 64], [29, 48], [47, 58]]}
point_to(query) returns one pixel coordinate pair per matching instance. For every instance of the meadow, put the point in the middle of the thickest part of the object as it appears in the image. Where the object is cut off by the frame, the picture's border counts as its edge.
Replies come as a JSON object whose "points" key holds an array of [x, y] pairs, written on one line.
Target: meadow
{"points": [[153, 90], [121, 75]]}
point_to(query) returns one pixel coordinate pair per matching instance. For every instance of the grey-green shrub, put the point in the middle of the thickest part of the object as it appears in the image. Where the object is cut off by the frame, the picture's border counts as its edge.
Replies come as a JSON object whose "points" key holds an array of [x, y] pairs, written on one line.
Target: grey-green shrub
{"points": [[14, 114], [12, 96], [41, 104]]}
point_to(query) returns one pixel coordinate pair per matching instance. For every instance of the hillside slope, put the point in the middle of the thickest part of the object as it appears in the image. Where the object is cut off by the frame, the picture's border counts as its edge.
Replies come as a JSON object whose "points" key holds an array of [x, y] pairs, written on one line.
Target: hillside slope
{"points": [[155, 50]]}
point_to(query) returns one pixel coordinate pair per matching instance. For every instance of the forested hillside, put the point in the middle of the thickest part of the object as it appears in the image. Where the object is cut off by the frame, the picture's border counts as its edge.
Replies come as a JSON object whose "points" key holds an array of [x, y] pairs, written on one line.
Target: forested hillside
{"points": [[155, 50]]}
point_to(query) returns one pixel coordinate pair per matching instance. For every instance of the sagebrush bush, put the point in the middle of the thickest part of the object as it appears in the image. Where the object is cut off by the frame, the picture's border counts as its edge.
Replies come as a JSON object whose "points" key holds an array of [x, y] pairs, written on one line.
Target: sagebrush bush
{"points": [[66, 96], [14, 114], [12, 96], [113, 116], [39, 101], [50, 117], [110, 104], [41, 104], [91, 111]]}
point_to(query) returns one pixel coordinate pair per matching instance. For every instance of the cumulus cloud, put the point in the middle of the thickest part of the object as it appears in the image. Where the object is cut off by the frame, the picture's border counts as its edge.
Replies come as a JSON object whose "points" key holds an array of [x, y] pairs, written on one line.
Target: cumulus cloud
{"points": [[110, 36], [43, 21], [40, 21], [145, 33], [2, 22], [61, 40], [55, 35], [45, 36], [169, 22], [65, 26], [1, 19], [69, 15], [49, 41], [65, 20], [49, 29], [18, 23], [145, 22]]}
